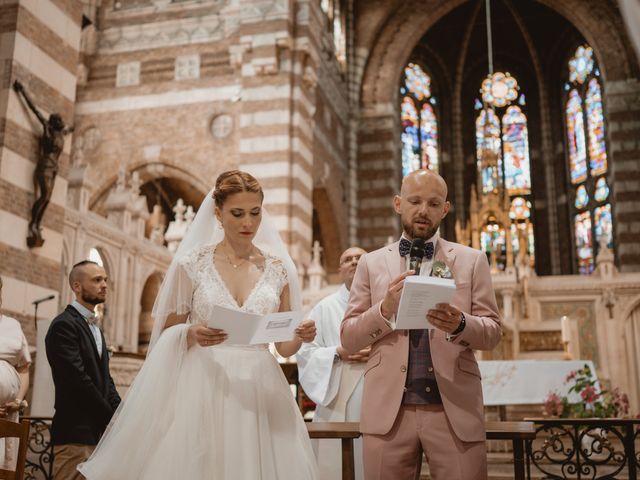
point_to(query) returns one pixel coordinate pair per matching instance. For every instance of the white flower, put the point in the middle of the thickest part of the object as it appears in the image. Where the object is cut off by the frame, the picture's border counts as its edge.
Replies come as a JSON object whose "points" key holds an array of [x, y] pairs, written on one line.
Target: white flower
{"points": [[439, 269]]}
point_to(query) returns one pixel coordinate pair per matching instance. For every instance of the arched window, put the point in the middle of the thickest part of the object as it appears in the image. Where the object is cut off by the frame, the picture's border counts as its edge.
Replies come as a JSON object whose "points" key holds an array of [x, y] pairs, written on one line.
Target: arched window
{"points": [[587, 159], [488, 137], [419, 121], [94, 256], [502, 151]]}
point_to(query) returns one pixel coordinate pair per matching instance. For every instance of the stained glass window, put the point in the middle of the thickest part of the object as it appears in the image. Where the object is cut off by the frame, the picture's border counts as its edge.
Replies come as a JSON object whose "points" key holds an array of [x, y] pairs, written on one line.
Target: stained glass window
{"points": [[595, 122], [488, 137], [515, 141], [584, 243], [602, 190], [493, 242], [520, 209], [603, 224], [581, 64], [587, 158], [520, 213], [582, 197], [410, 137], [417, 81], [429, 136], [419, 130], [499, 89], [525, 229], [575, 134]]}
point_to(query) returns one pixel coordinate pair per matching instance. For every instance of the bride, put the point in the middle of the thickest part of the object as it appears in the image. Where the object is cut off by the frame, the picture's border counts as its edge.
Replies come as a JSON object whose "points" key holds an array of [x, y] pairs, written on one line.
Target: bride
{"points": [[201, 408]]}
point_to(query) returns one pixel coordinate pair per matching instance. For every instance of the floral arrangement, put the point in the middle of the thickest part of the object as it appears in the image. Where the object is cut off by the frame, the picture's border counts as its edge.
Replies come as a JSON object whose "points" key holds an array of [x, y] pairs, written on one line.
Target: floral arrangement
{"points": [[595, 404]]}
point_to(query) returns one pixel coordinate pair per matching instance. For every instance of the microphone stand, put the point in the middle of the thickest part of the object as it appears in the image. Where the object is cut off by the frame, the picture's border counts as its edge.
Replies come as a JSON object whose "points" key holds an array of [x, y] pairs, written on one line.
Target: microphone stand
{"points": [[35, 308]]}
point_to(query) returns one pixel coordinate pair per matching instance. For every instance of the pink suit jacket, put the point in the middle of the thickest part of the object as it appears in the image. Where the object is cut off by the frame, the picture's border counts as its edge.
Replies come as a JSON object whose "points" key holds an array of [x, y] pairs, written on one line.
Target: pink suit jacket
{"points": [[455, 366]]}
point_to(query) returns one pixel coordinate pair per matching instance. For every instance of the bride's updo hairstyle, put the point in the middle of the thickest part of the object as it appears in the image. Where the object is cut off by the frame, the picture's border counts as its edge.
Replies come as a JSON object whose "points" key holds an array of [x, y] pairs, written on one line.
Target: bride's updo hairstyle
{"points": [[234, 181]]}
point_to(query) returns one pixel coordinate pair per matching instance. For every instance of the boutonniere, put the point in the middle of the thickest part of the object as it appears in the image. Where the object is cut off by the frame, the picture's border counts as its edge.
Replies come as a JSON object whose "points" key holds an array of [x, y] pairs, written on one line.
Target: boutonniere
{"points": [[440, 270]]}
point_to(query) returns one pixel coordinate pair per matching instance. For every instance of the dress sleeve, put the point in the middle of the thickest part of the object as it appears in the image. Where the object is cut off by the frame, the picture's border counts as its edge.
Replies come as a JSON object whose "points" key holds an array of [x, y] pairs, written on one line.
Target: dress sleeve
{"points": [[24, 357], [281, 276]]}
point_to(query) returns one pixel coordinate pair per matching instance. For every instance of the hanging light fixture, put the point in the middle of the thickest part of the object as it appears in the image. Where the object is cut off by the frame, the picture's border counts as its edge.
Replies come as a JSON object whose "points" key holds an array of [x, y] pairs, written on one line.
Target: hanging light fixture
{"points": [[498, 89]]}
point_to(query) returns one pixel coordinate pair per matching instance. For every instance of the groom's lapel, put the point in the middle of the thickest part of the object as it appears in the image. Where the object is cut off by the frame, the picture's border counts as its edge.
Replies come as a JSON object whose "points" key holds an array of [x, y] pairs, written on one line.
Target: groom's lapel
{"points": [[395, 263], [444, 253]]}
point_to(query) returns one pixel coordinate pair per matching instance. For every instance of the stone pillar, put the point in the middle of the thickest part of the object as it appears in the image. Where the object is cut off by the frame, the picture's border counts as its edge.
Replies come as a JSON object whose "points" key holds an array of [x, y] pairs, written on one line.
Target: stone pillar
{"points": [[622, 102], [379, 176], [275, 57], [39, 47]]}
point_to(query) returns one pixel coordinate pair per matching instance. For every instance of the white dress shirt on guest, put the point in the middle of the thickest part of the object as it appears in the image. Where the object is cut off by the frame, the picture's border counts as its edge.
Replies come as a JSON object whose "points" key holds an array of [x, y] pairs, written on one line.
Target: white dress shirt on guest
{"points": [[89, 316]]}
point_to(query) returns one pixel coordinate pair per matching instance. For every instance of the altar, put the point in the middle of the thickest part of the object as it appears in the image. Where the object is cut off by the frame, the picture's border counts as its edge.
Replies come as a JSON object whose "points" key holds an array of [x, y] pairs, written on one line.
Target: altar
{"points": [[521, 382]]}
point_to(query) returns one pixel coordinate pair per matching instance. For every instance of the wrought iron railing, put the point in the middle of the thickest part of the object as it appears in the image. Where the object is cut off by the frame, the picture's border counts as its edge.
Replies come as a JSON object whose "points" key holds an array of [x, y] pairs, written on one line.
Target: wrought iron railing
{"points": [[580, 449], [594, 449], [40, 452]]}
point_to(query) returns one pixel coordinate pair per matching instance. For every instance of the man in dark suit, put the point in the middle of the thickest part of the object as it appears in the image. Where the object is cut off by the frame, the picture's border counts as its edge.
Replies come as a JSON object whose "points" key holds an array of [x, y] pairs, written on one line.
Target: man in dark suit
{"points": [[86, 396]]}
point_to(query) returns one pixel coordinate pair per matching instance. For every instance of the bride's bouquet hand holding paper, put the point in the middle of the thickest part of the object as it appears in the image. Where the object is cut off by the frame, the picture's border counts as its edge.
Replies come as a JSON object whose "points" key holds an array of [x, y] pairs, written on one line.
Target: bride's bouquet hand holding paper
{"points": [[419, 295], [245, 328]]}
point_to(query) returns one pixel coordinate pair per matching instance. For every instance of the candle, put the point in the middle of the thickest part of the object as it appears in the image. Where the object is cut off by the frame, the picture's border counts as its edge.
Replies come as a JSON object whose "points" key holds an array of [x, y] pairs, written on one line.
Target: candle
{"points": [[565, 328]]}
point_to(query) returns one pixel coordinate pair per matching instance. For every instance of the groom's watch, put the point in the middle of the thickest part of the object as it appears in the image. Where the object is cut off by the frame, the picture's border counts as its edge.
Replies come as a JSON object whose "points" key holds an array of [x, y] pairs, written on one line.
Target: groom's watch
{"points": [[336, 358], [463, 323]]}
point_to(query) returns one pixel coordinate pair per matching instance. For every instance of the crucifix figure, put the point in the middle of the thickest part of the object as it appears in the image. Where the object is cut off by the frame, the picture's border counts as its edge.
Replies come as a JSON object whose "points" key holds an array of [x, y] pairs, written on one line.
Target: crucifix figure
{"points": [[44, 176]]}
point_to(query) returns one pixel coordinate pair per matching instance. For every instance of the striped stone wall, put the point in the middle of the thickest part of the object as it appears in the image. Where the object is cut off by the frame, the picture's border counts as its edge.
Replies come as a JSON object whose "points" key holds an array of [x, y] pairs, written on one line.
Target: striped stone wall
{"points": [[623, 109], [39, 42]]}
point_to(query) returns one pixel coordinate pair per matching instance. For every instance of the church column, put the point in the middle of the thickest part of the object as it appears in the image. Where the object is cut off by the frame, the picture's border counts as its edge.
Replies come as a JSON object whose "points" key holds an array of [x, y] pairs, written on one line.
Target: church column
{"points": [[622, 101], [275, 55], [379, 175], [39, 42]]}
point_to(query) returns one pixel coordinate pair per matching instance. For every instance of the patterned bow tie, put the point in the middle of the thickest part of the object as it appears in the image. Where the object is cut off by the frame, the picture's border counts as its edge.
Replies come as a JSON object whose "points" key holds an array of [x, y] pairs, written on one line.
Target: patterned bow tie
{"points": [[405, 248], [92, 320]]}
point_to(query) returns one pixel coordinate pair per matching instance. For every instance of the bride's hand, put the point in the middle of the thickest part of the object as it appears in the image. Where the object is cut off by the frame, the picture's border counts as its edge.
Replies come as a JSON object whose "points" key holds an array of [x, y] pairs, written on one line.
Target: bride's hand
{"points": [[205, 336], [306, 331]]}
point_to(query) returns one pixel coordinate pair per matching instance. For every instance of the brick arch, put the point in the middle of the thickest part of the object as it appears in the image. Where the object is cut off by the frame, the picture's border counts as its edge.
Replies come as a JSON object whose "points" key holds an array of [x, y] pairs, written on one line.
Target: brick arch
{"points": [[405, 25], [604, 30], [394, 44], [149, 171]]}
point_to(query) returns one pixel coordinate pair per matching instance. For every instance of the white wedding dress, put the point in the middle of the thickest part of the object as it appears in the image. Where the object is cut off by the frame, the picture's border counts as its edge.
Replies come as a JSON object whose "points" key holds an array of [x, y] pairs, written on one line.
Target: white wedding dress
{"points": [[218, 413]]}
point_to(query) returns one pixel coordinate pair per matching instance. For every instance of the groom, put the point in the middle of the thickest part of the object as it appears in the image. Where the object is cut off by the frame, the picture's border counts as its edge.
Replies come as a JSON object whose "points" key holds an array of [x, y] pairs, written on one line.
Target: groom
{"points": [[86, 396], [422, 390]]}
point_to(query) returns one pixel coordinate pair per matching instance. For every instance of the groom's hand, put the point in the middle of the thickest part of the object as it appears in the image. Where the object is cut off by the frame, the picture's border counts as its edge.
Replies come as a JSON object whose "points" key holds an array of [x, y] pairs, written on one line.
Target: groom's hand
{"points": [[391, 299], [445, 317]]}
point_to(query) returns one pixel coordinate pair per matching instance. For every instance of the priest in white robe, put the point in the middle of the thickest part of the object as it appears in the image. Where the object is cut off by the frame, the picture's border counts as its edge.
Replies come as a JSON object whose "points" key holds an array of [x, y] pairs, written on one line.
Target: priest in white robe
{"points": [[331, 377]]}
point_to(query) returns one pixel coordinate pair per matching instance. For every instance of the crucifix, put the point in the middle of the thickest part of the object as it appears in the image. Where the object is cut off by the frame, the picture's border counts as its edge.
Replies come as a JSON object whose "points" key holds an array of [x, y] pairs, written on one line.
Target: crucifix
{"points": [[51, 144]]}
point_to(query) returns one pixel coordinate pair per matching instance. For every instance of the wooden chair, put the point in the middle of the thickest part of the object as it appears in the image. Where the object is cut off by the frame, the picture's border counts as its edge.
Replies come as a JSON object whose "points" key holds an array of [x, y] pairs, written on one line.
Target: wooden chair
{"points": [[21, 431]]}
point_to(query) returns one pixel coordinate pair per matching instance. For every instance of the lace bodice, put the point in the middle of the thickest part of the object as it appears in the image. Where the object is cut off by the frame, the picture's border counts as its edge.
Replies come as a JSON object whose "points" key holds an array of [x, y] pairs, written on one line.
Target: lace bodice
{"points": [[209, 289]]}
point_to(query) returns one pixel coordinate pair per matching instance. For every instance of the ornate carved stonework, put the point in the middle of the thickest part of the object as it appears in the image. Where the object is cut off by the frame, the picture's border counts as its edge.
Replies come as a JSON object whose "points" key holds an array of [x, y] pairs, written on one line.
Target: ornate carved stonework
{"points": [[162, 34]]}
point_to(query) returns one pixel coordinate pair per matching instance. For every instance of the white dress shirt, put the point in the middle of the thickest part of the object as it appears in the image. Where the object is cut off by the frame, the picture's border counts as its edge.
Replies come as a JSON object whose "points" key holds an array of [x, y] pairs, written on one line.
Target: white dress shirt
{"points": [[88, 315]]}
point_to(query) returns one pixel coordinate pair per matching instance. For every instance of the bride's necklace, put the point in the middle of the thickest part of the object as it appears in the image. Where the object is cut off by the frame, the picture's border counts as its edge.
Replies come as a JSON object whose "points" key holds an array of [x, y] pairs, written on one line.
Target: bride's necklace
{"points": [[232, 263]]}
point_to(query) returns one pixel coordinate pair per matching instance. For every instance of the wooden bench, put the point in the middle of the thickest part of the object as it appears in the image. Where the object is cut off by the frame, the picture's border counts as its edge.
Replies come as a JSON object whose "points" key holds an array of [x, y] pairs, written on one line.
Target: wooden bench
{"points": [[517, 432]]}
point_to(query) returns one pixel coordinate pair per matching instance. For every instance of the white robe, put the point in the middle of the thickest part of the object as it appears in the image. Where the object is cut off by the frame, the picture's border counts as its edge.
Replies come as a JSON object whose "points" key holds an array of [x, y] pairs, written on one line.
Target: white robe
{"points": [[335, 387]]}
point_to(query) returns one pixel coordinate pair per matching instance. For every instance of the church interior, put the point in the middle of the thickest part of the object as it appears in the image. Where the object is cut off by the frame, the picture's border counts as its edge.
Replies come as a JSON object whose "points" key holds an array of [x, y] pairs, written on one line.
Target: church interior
{"points": [[529, 109]]}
